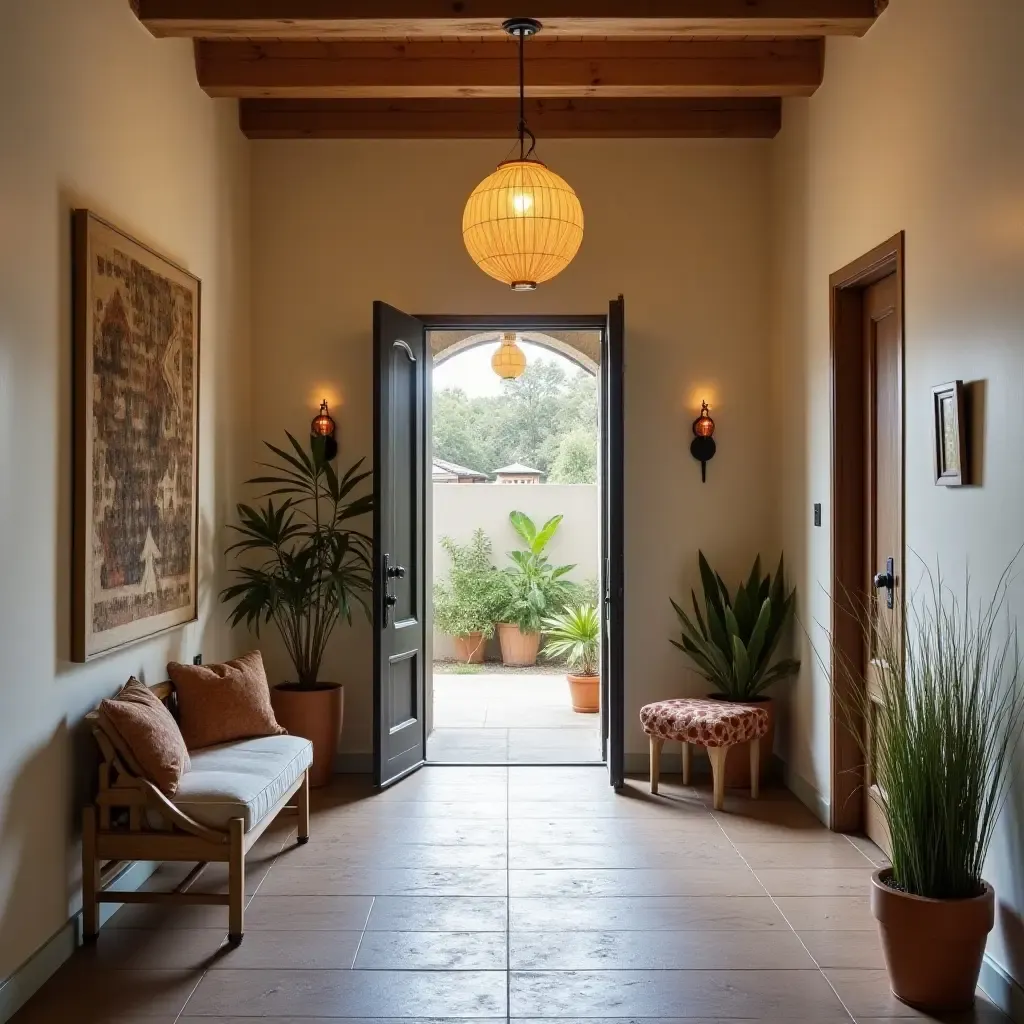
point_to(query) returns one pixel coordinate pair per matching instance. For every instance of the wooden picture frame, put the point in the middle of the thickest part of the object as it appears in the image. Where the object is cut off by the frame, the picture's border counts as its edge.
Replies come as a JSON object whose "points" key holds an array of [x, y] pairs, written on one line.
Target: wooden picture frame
{"points": [[950, 434], [135, 534]]}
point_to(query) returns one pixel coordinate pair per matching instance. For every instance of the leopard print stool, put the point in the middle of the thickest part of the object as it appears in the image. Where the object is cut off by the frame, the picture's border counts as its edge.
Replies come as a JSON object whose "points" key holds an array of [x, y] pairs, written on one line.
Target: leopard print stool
{"points": [[716, 725]]}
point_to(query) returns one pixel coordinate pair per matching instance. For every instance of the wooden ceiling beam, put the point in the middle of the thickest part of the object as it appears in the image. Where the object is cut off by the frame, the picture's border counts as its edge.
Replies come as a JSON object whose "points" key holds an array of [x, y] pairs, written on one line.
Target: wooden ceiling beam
{"points": [[555, 67], [402, 19], [496, 119]]}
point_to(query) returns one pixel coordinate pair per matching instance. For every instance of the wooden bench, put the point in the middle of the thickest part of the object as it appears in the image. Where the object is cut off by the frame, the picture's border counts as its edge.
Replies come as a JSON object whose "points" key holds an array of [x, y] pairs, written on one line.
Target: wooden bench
{"points": [[223, 805]]}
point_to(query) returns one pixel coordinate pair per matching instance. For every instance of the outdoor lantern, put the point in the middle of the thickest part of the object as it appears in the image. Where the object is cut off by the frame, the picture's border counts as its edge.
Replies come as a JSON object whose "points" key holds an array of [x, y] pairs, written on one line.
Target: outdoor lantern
{"points": [[323, 425], [523, 224], [703, 446], [509, 361]]}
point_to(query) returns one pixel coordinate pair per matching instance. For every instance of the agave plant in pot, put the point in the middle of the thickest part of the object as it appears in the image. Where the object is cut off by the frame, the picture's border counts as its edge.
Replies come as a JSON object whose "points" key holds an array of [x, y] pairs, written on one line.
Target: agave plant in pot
{"points": [[732, 645], [302, 565], [468, 601], [574, 636], [534, 589], [947, 711]]}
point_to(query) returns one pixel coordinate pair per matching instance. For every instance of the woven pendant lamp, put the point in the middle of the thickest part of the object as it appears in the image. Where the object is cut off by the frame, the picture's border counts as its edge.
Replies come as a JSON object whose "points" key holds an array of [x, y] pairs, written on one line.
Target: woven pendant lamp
{"points": [[523, 224], [509, 361]]}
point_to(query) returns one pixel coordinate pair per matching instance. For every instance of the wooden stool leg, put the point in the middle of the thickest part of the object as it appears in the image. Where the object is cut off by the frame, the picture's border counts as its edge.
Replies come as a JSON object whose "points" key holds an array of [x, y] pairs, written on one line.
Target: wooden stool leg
{"points": [[90, 876], [717, 756], [755, 768], [656, 744], [236, 881], [303, 802], [687, 763]]}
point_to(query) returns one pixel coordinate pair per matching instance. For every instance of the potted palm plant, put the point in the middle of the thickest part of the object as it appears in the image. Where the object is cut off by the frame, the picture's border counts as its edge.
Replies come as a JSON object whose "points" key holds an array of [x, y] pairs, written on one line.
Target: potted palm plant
{"points": [[534, 588], [732, 645], [301, 565], [575, 637], [946, 718], [468, 602]]}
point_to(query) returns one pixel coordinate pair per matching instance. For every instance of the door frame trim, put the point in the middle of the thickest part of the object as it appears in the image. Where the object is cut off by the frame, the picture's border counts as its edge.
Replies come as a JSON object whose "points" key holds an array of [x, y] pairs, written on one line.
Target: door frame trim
{"points": [[848, 400], [523, 322]]}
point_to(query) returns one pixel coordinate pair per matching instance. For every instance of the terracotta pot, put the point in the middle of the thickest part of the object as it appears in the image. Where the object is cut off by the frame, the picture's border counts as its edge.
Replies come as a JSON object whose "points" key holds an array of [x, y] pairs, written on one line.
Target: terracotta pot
{"points": [[933, 948], [316, 715], [737, 765], [584, 691], [518, 648], [469, 649]]}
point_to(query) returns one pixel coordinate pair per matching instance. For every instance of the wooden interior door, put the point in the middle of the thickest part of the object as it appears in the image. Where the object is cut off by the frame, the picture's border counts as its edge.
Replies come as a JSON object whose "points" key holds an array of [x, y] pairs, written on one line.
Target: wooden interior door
{"points": [[883, 517], [400, 475]]}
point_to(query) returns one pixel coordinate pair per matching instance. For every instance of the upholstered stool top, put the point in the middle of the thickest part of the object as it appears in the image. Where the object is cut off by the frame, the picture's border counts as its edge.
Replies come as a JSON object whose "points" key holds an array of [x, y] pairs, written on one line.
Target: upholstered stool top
{"points": [[707, 723]]}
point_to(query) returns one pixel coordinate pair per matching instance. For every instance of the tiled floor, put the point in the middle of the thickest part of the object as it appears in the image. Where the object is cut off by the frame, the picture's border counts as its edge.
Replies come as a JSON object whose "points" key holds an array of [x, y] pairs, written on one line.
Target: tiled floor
{"points": [[524, 893], [521, 718]]}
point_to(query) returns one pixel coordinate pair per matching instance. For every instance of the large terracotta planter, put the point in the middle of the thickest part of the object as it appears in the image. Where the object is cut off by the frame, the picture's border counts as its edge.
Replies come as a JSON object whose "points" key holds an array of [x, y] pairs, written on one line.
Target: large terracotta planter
{"points": [[933, 948], [737, 765], [469, 649], [316, 715], [584, 691], [518, 648]]}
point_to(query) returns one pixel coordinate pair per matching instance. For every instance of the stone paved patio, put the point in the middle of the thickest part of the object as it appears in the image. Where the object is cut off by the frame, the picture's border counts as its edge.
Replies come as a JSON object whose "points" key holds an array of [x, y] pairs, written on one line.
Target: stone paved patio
{"points": [[521, 719]]}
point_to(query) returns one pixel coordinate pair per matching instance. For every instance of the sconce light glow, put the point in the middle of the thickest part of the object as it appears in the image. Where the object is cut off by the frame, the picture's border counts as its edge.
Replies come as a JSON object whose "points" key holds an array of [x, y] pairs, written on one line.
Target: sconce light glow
{"points": [[703, 446], [323, 427]]}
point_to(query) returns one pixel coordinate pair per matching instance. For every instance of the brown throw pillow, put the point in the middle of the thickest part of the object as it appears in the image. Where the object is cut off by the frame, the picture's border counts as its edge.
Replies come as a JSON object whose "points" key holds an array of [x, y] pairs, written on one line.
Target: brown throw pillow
{"points": [[138, 722], [220, 703]]}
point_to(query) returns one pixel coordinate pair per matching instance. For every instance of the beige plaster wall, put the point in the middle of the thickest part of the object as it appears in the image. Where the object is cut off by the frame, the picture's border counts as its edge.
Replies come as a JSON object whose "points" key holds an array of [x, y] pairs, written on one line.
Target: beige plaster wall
{"points": [[95, 113]]}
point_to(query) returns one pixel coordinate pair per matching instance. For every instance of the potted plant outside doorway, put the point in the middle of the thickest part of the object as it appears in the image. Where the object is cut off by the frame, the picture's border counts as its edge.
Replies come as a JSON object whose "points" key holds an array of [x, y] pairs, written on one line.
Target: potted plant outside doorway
{"points": [[469, 600], [534, 589], [947, 713], [732, 645], [575, 637], [300, 565]]}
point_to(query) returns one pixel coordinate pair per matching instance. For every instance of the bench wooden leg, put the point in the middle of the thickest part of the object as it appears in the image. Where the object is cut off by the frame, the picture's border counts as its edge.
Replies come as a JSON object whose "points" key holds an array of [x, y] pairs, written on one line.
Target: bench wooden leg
{"points": [[755, 768], [236, 880], [717, 756], [687, 762], [656, 744], [303, 804], [90, 876]]}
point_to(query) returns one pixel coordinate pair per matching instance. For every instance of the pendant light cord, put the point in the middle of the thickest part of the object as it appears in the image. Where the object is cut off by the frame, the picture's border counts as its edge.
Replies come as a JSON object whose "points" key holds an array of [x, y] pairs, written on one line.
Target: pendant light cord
{"points": [[524, 153]]}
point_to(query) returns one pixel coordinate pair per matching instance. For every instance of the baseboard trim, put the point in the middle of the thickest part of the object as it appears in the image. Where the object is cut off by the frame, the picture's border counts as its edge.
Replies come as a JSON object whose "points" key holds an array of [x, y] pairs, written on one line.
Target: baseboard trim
{"points": [[808, 796], [1004, 991], [35, 972]]}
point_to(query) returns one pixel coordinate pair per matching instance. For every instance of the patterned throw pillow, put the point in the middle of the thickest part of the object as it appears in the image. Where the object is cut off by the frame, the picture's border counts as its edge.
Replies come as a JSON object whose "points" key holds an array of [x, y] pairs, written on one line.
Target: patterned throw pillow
{"points": [[220, 703], [138, 723]]}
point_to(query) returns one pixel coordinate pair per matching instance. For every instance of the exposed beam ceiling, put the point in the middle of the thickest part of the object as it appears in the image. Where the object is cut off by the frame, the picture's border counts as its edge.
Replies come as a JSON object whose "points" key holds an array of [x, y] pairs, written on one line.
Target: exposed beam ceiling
{"points": [[496, 118], [555, 67], [404, 19]]}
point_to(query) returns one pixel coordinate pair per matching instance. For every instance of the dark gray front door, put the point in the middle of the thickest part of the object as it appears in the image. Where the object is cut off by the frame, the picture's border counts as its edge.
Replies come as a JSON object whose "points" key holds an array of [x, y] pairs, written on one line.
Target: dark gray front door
{"points": [[400, 357], [613, 437]]}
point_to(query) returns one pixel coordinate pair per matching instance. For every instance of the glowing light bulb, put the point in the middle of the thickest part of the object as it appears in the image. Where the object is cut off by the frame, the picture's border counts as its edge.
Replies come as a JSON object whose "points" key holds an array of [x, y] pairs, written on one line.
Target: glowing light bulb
{"points": [[521, 202]]}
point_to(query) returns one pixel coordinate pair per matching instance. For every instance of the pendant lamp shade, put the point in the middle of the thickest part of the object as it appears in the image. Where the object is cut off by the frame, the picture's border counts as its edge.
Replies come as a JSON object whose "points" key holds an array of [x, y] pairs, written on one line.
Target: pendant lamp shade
{"points": [[509, 361], [523, 224]]}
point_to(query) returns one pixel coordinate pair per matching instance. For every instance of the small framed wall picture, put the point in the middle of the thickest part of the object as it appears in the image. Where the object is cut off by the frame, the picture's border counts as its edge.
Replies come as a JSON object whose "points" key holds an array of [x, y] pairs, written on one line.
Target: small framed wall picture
{"points": [[951, 468]]}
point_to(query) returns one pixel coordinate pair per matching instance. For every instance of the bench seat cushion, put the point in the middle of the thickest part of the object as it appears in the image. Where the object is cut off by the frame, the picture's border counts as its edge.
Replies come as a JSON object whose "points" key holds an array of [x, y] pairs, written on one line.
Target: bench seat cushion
{"points": [[243, 779]]}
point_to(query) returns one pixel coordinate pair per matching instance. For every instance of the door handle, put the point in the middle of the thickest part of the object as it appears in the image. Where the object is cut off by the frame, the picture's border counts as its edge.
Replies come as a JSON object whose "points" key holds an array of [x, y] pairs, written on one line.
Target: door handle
{"points": [[886, 581], [391, 572]]}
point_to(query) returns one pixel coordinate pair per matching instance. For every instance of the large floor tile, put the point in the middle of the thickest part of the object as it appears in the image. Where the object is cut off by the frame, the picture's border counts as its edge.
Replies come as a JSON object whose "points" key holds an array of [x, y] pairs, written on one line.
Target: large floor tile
{"points": [[859, 949], [355, 881], [391, 852], [308, 913], [350, 994], [271, 950], [433, 951], [867, 995], [154, 949], [438, 914], [706, 850], [792, 995], [651, 915], [837, 854], [656, 950], [700, 881], [836, 913], [436, 831], [814, 881]]}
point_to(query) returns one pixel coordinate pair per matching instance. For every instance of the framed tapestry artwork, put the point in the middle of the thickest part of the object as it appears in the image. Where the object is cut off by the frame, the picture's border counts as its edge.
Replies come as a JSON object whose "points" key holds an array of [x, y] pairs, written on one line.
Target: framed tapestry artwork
{"points": [[136, 440], [950, 434]]}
